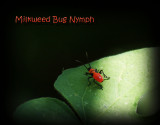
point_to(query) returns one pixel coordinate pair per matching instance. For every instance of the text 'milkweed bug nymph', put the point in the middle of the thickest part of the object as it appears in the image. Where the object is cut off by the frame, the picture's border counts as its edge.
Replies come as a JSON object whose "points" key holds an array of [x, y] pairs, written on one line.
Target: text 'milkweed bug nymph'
{"points": [[95, 74]]}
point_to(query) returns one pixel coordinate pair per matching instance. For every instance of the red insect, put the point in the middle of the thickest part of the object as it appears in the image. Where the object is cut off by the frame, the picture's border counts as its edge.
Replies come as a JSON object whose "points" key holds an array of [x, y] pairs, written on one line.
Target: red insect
{"points": [[95, 74]]}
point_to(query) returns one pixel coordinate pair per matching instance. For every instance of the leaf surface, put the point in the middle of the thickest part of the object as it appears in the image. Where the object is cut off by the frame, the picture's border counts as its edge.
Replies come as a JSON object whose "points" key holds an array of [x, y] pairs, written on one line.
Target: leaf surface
{"points": [[131, 76], [45, 110]]}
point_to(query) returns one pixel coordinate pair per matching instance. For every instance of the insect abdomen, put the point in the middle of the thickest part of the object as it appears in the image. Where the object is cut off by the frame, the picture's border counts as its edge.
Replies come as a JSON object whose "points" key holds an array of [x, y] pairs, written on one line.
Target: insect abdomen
{"points": [[98, 77]]}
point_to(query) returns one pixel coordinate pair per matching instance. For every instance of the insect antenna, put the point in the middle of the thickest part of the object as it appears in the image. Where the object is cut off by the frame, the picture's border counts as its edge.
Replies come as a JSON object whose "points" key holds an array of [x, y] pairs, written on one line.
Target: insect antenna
{"points": [[81, 63], [87, 60]]}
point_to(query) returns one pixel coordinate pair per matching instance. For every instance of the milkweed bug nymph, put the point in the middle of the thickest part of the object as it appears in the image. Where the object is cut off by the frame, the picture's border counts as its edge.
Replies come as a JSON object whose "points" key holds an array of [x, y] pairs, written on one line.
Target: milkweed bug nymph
{"points": [[95, 74]]}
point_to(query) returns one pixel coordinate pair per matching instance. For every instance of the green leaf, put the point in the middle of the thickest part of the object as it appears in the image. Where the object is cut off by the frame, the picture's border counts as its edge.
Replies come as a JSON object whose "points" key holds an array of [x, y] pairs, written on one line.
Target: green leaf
{"points": [[148, 104], [45, 110], [131, 76]]}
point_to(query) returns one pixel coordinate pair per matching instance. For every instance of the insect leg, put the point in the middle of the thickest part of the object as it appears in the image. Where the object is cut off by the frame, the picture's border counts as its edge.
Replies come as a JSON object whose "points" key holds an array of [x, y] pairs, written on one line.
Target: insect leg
{"points": [[101, 72], [98, 84], [96, 70], [89, 83], [107, 78]]}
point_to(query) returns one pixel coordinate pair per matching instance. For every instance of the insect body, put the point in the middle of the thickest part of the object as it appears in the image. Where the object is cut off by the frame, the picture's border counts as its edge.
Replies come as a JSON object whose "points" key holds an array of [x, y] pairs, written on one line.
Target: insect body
{"points": [[95, 74]]}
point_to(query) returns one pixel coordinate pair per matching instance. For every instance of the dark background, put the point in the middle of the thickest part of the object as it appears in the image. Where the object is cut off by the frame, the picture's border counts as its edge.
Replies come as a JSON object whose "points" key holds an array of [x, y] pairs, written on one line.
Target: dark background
{"points": [[35, 54]]}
